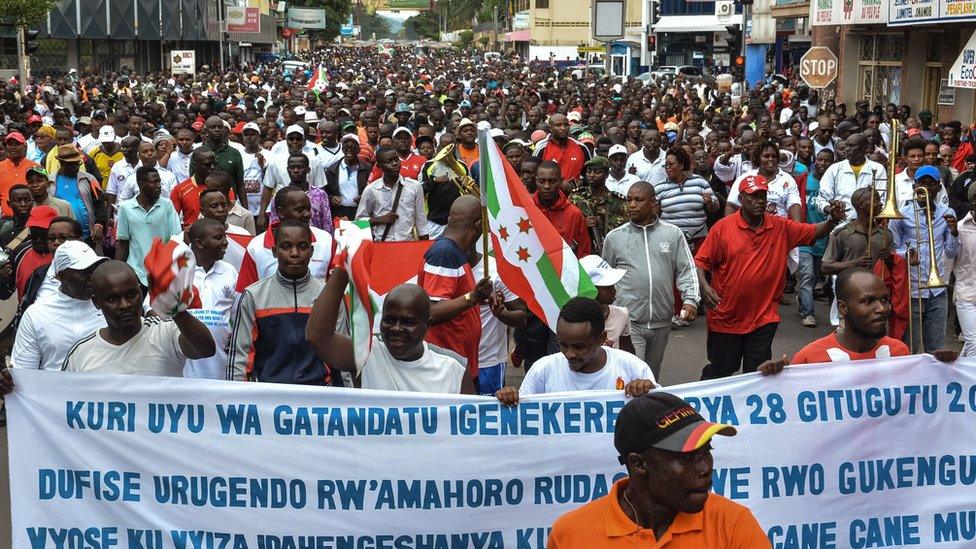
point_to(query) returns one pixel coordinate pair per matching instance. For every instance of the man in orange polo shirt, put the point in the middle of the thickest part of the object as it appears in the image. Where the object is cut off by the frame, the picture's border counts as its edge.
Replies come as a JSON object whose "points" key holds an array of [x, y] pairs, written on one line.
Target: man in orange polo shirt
{"points": [[665, 500], [186, 195], [745, 253], [13, 170]]}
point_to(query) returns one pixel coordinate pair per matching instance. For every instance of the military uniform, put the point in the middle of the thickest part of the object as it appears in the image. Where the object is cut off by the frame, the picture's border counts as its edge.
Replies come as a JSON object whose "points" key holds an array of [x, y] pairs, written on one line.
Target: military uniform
{"points": [[608, 208]]}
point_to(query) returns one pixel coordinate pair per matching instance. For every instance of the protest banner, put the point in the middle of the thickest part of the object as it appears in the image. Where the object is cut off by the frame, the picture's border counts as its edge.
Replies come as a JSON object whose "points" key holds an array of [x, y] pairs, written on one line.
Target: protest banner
{"points": [[867, 454]]}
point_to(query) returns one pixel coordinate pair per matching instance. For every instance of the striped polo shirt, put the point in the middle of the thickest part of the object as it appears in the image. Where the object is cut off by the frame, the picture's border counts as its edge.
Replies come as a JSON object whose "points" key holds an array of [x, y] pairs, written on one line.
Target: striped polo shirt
{"points": [[683, 205]]}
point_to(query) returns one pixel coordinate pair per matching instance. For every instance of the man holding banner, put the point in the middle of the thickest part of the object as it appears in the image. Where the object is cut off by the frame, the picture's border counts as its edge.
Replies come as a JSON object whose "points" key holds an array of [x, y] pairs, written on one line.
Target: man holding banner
{"points": [[664, 501], [584, 363]]}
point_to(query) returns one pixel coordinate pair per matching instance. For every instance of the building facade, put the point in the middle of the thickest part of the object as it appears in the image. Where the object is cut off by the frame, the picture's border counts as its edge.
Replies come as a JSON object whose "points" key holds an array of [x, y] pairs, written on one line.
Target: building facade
{"points": [[898, 51], [117, 35]]}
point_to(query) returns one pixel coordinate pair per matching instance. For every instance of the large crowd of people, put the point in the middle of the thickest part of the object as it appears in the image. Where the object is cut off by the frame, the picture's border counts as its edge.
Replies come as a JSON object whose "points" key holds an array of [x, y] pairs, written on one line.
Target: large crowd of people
{"points": [[680, 197]]}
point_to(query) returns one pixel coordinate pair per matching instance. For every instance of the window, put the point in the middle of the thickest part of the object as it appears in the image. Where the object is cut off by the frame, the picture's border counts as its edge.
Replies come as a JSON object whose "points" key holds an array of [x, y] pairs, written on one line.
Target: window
{"points": [[541, 4]]}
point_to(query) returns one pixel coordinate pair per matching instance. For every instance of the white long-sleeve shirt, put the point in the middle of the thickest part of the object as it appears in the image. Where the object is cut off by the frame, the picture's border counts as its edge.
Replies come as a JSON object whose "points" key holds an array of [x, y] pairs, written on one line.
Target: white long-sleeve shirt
{"points": [[839, 182], [50, 328]]}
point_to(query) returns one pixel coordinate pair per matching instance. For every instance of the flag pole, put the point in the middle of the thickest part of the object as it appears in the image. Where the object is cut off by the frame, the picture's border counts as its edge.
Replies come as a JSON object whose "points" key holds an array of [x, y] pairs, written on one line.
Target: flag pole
{"points": [[484, 238], [483, 143]]}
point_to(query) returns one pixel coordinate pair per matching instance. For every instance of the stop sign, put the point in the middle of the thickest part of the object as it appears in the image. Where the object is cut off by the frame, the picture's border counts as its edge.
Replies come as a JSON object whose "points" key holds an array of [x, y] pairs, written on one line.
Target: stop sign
{"points": [[818, 67]]}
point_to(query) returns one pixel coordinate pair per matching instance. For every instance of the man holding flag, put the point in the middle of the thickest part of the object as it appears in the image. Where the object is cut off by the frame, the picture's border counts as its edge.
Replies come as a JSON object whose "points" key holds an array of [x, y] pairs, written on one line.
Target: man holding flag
{"points": [[447, 278]]}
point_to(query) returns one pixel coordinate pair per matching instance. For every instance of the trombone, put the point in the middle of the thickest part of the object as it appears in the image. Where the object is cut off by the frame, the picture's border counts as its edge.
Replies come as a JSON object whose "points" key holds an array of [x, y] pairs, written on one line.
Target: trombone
{"points": [[935, 279]]}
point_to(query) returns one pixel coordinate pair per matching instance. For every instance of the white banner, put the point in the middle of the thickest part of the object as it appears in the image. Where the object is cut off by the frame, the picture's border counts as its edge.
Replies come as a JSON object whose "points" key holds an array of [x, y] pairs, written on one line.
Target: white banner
{"points": [[183, 61], [306, 18], [869, 454], [963, 71]]}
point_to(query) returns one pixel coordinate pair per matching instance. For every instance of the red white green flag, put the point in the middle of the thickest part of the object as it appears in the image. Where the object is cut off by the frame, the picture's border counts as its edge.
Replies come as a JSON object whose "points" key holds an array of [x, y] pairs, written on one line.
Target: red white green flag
{"points": [[374, 269], [383, 50], [533, 259], [319, 80]]}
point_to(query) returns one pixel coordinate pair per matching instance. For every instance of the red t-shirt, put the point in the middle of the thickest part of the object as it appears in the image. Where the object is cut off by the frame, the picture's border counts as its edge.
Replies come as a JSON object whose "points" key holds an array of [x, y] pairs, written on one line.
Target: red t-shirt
{"points": [[748, 269], [828, 349], [959, 157], [28, 264], [409, 168], [186, 200], [445, 275]]}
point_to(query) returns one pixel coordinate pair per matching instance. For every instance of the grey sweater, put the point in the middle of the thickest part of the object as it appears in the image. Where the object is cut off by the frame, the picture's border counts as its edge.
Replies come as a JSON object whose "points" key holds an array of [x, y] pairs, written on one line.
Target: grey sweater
{"points": [[656, 258]]}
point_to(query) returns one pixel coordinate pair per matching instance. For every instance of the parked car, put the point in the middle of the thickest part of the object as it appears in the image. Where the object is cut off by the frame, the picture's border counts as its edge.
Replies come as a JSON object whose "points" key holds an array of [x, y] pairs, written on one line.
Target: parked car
{"points": [[672, 70]]}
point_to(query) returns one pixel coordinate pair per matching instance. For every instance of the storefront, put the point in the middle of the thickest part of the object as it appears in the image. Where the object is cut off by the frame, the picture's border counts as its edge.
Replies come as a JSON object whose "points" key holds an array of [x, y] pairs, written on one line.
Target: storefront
{"points": [[892, 51]]}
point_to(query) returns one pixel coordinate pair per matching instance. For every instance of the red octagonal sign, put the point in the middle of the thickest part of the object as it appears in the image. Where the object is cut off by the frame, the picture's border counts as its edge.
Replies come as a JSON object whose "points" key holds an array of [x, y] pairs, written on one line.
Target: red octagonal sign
{"points": [[818, 67]]}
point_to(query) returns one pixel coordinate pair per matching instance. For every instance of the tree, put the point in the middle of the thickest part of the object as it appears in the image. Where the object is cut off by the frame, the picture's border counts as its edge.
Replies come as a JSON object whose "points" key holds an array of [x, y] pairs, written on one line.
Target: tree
{"points": [[336, 13], [370, 23], [465, 38], [25, 13], [424, 25], [484, 41]]}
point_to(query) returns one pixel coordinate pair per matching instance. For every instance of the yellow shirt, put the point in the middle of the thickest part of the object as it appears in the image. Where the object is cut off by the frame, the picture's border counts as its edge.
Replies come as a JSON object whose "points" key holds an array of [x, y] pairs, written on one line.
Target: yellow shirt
{"points": [[105, 162], [857, 169]]}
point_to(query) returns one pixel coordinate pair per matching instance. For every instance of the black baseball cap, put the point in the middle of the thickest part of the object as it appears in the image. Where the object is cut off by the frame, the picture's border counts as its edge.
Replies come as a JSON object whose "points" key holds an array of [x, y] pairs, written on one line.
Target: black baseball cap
{"points": [[664, 421]]}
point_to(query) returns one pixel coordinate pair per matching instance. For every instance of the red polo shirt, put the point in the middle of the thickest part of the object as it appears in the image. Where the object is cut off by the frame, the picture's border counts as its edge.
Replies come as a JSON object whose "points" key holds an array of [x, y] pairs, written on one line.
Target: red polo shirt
{"points": [[747, 267], [570, 157]]}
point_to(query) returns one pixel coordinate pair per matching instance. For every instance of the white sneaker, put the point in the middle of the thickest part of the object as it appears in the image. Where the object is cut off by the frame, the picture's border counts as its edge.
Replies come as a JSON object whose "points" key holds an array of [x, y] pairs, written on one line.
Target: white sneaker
{"points": [[809, 321]]}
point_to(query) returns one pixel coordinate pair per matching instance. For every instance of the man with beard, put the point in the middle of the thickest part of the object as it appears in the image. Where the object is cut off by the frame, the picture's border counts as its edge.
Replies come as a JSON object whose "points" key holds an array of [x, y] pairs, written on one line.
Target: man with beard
{"points": [[664, 501], [864, 305]]}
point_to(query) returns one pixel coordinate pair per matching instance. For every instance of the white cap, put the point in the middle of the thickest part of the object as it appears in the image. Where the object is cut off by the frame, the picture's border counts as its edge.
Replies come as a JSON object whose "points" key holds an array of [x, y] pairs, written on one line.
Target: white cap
{"points": [[311, 117], [106, 134], [402, 129], [496, 132], [600, 272], [388, 93], [251, 126], [350, 136], [574, 116], [484, 125], [300, 110], [75, 255], [465, 122], [294, 128], [617, 149]]}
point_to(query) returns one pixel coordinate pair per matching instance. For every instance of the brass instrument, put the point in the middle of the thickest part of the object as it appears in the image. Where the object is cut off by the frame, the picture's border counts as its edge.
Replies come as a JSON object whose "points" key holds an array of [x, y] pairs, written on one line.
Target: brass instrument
{"points": [[890, 210], [935, 279], [445, 163]]}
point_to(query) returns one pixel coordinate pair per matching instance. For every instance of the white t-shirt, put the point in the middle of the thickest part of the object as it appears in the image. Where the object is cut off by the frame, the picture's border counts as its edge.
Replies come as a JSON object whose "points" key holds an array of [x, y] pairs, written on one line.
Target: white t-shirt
{"points": [[253, 177], [431, 373], [130, 188], [50, 328], [154, 351], [493, 348], [783, 191], [552, 374], [217, 295]]}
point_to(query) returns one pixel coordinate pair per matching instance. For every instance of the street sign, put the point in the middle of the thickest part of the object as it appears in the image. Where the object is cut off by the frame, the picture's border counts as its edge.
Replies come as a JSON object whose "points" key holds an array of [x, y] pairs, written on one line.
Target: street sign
{"points": [[607, 20], [183, 62], [818, 67]]}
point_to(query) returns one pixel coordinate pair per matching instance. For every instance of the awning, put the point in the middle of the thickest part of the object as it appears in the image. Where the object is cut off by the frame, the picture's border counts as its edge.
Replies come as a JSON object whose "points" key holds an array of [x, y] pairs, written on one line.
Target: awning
{"points": [[693, 23]]}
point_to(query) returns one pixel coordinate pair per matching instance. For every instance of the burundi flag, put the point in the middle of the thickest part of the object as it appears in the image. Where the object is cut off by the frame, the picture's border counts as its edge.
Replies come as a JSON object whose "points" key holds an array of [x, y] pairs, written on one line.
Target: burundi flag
{"points": [[319, 80], [170, 266], [383, 50], [374, 269], [533, 260]]}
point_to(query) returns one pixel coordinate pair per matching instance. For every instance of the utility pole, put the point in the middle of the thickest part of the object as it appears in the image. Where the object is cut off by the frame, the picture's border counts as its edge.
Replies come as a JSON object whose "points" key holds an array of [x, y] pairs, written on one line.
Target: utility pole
{"points": [[22, 64], [220, 24], [495, 20]]}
